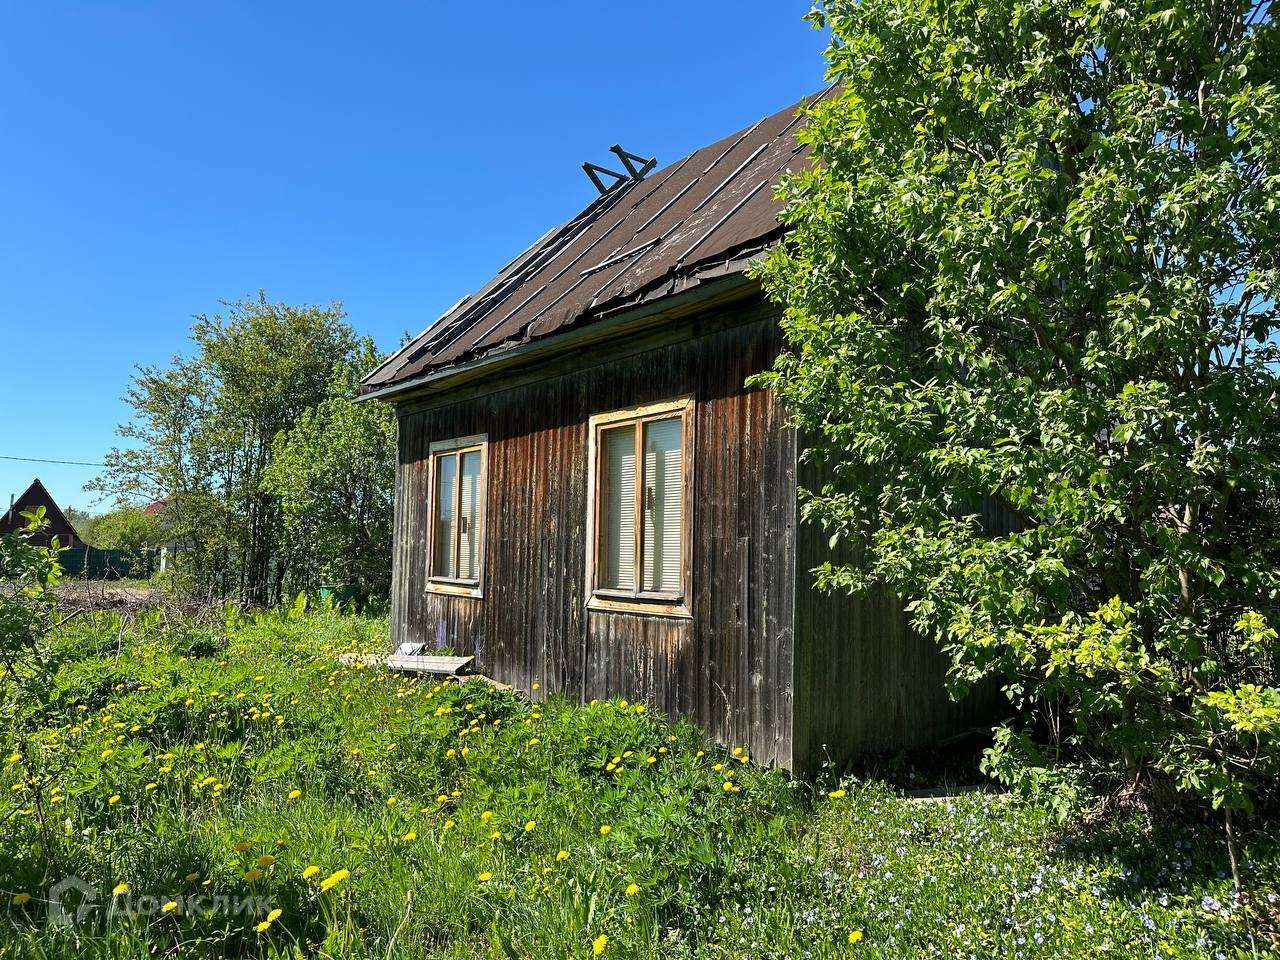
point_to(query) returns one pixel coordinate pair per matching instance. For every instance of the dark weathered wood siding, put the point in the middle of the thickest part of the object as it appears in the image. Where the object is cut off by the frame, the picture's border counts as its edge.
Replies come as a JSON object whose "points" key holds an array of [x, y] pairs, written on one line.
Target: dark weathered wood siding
{"points": [[729, 668], [865, 682]]}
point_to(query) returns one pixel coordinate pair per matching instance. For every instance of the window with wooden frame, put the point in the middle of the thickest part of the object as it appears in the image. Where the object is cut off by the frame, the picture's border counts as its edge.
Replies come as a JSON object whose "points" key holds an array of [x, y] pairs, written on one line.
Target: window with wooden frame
{"points": [[455, 547], [641, 509]]}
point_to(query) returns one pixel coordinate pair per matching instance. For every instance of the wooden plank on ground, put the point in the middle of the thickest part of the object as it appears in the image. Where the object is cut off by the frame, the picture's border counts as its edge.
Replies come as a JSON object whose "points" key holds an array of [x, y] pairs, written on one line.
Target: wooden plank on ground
{"points": [[442, 666]]}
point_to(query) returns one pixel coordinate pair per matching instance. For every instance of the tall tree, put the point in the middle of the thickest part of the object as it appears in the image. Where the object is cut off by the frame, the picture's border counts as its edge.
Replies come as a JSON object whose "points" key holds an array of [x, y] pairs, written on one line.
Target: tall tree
{"points": [[1036, 263], [202, 433], [334, 473]]}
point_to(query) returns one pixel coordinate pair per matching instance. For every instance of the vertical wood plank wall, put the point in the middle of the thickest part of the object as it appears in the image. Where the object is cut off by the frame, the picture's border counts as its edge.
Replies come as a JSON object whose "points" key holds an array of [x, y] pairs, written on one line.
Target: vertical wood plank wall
{"points": [[865, 682], [729, 668]]}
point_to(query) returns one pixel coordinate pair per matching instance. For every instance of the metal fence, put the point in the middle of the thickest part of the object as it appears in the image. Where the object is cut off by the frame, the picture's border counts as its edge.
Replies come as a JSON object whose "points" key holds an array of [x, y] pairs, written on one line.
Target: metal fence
{"points": [[89, 563]]}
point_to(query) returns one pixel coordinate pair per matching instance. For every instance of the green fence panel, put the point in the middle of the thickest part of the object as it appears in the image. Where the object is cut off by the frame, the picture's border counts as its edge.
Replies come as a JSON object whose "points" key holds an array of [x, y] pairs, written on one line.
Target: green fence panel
{"points": [[89, 563]]}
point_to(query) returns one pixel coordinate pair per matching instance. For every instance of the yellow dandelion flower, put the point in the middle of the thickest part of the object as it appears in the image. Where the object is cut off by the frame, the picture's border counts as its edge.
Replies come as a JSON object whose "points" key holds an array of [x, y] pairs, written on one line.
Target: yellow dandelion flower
{"points": [[604, 829], [486, 816], [449, 824], [392, 801], [485, 877], [855, 936], [717, 766], [728, 786], [263, 927], [410, 836], [496, 835], [737, 751], [119, 889], [192, 877], [632, 889], [451, 752], [294, 794], [600, 942], [836, 794], [274, 915], [562, 855], [310, 872], [20, 898], [530, 826], [107, 752], [335, 878], [149, 787], [169, 907], [113, 799], [534, 741]]}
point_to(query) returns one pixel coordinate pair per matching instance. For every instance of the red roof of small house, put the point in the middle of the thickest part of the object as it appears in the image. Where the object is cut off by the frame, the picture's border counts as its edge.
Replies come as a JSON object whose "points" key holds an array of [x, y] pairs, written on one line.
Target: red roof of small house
{"points": [[697, 220]]}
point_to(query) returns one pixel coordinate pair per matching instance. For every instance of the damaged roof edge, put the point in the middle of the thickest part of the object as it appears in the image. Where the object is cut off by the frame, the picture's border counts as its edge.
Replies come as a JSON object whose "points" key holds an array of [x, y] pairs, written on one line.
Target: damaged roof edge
{"points": [[642, 241], [726, 284]]}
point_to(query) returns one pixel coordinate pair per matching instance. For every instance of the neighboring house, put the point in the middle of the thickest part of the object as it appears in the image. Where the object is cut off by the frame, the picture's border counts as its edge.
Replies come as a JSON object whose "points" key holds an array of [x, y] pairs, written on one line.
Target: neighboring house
{"points": [[590, 499], [57, 524], [169, 548]]}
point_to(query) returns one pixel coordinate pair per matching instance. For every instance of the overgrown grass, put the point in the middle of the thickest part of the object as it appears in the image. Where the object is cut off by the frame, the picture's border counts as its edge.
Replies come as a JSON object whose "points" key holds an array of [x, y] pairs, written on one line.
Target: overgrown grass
{"points": [[181, 761]]}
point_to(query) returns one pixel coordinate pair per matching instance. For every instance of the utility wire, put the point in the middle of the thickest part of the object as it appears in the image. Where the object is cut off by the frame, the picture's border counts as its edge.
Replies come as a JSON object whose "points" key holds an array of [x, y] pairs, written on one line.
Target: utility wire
{"points": [[72, 463]]}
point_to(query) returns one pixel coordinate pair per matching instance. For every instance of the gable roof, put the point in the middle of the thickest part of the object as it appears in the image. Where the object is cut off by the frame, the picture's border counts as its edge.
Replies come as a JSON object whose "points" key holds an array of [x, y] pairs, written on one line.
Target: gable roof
{"points": [[36, 496], [697, 220]]}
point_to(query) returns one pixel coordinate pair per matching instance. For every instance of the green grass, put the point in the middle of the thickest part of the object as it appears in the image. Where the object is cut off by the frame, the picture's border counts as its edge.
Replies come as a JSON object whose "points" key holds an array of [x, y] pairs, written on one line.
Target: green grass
{"points": [[243, 757]]}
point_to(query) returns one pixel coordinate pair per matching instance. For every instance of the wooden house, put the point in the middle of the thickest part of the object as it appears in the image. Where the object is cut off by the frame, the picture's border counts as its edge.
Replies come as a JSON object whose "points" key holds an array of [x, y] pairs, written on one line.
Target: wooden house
{"points": [[56, 522], [590, 498]]}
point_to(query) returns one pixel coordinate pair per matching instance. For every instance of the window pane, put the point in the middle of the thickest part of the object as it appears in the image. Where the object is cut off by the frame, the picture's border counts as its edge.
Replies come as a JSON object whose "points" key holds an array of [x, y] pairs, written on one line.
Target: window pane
{"points": [[618, 504], [469, 541], [663, 500], [446, 482]]}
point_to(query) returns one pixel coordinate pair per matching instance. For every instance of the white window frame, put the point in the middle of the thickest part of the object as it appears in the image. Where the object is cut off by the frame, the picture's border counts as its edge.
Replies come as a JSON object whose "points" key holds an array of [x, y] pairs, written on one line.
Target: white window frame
{"points": [[454, 586], [600, 598]]}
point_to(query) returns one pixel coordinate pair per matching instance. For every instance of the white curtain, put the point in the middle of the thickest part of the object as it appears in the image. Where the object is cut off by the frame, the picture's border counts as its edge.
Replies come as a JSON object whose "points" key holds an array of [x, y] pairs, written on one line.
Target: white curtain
{"points": [[618, 503], [469, 535], [446, 480], [663, 470]]}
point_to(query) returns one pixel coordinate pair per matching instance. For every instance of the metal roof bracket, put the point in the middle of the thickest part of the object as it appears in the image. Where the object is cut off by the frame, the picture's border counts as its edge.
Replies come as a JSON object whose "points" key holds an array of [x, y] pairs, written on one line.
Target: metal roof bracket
{"points": [[637, 168]]}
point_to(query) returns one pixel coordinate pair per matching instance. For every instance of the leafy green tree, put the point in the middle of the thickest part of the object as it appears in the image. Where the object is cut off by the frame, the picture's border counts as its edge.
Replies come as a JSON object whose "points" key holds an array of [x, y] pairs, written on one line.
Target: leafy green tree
{"points": [[29, 575], [85, 524], [1033, 273], [334, 473], [127, 528], [202, 433]]}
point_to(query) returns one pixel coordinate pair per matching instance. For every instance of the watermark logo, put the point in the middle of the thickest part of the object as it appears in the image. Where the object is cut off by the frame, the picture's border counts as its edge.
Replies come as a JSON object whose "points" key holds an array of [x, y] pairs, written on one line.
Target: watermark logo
{"points": [[71, 899]]}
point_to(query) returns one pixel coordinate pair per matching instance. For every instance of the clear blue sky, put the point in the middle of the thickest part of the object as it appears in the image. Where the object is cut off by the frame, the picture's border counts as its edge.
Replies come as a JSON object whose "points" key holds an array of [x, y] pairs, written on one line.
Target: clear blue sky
{"points": [[161, 156]]}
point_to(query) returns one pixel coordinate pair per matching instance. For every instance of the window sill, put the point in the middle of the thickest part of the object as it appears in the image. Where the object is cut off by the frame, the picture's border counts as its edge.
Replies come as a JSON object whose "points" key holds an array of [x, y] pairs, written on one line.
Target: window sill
{"points": [[455, 588], [677, 610]]}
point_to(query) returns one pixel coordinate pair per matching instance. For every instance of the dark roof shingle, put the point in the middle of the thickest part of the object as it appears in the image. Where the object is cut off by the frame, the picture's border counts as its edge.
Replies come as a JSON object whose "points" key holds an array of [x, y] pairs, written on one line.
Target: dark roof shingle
{"points": [[699, 218]]}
